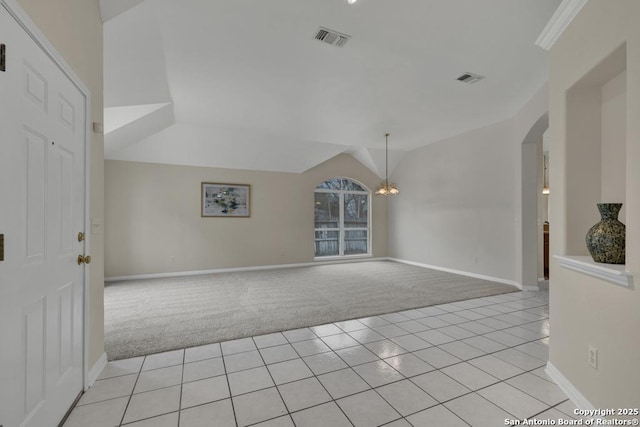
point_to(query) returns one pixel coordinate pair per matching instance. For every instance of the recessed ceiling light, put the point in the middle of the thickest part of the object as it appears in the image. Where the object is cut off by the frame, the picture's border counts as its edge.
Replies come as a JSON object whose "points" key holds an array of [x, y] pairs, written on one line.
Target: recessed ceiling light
{"points": [[352, 1]]}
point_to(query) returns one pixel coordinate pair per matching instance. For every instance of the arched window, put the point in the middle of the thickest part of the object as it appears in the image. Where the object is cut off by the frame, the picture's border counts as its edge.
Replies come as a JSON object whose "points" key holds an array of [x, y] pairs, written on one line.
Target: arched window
{"points": [[342, 218]]}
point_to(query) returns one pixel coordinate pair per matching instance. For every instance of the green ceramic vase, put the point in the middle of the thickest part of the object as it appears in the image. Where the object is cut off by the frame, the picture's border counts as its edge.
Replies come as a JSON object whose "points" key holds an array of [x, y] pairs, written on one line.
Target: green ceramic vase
{"points": [[606, 239]]}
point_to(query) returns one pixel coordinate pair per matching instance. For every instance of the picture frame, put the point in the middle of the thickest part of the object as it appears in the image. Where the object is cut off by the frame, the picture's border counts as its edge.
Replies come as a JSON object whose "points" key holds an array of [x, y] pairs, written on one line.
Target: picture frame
{"points": [[225, 200]]}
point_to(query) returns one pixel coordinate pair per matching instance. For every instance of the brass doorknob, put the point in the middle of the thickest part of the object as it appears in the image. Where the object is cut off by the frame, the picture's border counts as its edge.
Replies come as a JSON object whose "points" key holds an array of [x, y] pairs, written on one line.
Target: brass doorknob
{"points": [[84, 259]]}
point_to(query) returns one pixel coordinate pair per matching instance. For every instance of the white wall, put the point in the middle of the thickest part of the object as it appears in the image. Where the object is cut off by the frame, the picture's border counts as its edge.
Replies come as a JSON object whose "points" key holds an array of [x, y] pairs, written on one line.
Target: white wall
{"points": [[153, 222], [613, 150], [460, 205], [584, 310], [456, 207]]}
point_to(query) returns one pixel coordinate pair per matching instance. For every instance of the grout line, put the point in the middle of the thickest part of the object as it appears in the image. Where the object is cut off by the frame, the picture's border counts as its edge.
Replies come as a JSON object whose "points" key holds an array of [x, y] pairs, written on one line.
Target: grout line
{"points": [[132, 390]]}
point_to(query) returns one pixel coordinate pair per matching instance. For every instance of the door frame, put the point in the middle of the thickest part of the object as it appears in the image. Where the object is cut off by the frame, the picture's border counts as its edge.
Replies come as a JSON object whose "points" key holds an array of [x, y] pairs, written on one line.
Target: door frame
{"points": [[27, 24]]}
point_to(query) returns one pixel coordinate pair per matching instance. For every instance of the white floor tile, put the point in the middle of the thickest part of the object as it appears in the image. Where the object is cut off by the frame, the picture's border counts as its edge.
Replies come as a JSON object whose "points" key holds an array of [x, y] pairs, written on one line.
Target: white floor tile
{"points": [[390, 331], [367, 409], [413, 326], [437, 358], [216, 414], [475, 327], [504, 338], [398, 423], [477, 411], [288, 371], [456, 332], [258, 406], [406, 397], [202, 352], [270, 340], [296, 335], [366, 336], [159, 378], [310, 347], [394, 317], [152, 404], [496, 367], [325, 415], [469, 376], [537, 387], [484, 344], [519, 359], [118, 368], [326, 330], [109, 389], [204, 391], [350, 325], [167, 420], [249, 380], [512, 400], [435, 337], [354, 356], [324, 362], [277, 422], [278, 353], [162, 360], [385, 348], [237, 346], [303, 394], [203, 369], [240, 361], [409, 365], [342, 383], [411, 342], [102, 414], [373, 321], [378, 373], [534, 349], [437, 416], [440, 386], [461, 350], [339, 341], [434, 322]]}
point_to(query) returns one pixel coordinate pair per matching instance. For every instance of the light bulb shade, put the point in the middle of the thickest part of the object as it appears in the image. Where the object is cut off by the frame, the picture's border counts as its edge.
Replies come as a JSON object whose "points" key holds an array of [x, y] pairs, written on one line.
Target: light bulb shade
{"points": [[386, 189], [545, 190]]}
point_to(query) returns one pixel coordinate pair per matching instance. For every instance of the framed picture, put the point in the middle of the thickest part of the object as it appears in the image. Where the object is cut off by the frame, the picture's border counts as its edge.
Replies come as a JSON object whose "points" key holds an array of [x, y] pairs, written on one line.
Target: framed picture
{"points": [[225, 200]]}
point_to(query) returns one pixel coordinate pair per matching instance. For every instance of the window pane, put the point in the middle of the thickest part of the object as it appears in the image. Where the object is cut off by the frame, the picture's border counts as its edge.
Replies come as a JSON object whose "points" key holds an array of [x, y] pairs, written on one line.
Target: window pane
{"points": [[332, 184], [341, 184], [352, 186], [327, 210], [355, 242], [356, 210], [327, 243]]}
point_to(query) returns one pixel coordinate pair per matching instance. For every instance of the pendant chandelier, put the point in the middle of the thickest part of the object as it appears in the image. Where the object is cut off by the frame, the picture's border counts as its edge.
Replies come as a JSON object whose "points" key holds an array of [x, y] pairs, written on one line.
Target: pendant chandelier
{"points": [[385, 188]]}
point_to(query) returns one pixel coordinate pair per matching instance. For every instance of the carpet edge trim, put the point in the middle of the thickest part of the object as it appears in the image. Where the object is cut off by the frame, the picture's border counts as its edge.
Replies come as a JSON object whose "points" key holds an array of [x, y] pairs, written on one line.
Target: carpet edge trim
{"points": [[460, 272]]}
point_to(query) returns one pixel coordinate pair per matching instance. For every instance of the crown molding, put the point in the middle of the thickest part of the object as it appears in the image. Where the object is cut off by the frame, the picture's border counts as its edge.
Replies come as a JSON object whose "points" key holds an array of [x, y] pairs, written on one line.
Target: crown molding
{"points": [[560, 20]]}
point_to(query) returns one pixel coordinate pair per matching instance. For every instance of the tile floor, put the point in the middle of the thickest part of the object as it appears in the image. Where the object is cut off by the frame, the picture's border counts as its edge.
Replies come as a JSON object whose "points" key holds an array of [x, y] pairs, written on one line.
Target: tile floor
{"points": [[475, 362]]}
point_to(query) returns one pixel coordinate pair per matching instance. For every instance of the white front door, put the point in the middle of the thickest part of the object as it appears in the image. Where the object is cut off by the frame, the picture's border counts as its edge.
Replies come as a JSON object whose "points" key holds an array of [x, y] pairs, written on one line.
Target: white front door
{"points": [[42, 194]]}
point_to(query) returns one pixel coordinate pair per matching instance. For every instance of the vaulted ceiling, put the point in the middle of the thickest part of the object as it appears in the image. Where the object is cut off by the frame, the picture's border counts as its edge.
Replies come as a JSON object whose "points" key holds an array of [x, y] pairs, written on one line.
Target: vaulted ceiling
{"points": [[244, 84]]}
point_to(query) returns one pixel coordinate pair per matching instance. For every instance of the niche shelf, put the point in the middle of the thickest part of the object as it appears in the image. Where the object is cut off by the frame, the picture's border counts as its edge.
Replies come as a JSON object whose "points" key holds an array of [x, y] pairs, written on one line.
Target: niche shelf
{"points": [[614, 273]]}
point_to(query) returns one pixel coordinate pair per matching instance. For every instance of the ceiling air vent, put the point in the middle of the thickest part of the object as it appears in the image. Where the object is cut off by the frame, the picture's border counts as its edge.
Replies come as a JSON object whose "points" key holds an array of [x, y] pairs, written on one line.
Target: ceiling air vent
{"points": [[331, 37], [470, 78]]}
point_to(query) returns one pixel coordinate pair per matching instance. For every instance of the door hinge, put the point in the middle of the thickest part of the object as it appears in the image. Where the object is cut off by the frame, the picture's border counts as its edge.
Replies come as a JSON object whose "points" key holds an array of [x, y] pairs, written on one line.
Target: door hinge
{"points": [[3, 57]]}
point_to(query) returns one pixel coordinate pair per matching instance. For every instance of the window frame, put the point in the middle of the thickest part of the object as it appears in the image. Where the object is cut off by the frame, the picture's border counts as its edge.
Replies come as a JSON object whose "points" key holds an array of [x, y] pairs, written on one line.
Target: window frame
{"points": [[341, 228]]}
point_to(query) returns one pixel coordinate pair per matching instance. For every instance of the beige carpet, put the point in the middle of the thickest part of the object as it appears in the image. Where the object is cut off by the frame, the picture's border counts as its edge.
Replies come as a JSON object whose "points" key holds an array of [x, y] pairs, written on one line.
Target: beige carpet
{"points": [[150, 316]]}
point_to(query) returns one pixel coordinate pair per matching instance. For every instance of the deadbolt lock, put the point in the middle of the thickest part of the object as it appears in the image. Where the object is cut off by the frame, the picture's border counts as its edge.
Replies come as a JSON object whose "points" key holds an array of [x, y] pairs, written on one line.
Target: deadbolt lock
{"points": [[84, 259], [81, 237]]}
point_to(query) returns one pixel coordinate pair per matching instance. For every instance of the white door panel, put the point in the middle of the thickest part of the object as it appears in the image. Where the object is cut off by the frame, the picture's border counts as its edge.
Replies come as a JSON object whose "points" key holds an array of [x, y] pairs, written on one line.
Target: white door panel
{"points": [[42, 131]]}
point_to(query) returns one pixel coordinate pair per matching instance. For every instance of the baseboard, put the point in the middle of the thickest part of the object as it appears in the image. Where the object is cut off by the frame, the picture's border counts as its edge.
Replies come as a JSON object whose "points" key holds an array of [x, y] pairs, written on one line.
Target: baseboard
{"points": [[461, 273], [95, 371], [239, 269], [569, 389]]}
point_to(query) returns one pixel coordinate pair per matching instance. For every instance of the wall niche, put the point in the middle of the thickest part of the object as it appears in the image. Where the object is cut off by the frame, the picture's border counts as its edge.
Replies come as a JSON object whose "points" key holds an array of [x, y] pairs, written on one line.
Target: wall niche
{"points": [[596, 156]]}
